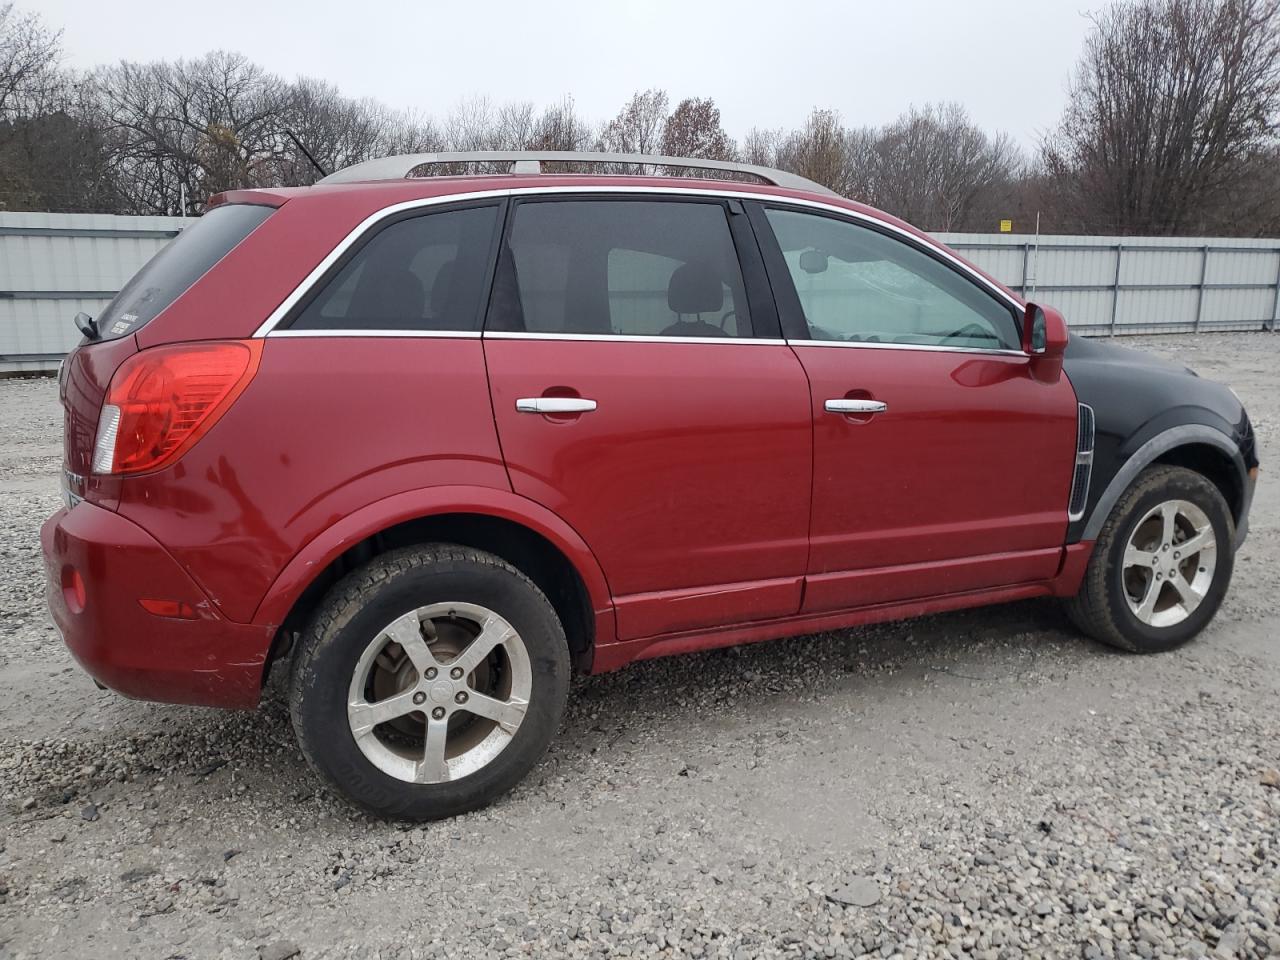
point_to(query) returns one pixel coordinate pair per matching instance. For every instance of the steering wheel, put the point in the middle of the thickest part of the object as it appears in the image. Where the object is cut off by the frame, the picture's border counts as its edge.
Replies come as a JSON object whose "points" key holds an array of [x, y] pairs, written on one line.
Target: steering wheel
{"points": [[971, 331], [725, 319]]}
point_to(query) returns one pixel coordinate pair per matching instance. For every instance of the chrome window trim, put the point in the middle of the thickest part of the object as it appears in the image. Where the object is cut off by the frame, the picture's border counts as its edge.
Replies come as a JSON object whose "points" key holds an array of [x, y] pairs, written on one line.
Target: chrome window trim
{"points": [[304, 287], [424, 334], [928, 347], [627, 338]]}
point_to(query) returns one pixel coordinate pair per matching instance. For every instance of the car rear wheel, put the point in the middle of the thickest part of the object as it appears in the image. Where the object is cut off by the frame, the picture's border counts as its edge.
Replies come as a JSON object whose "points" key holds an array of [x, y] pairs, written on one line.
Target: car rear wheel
{"points": [[429, 682], [1161, 565]]}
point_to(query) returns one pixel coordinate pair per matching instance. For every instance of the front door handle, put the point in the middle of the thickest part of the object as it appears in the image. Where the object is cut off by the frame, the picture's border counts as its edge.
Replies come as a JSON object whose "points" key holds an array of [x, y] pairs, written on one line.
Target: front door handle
{"points": [[856, 406], [555, 405]]}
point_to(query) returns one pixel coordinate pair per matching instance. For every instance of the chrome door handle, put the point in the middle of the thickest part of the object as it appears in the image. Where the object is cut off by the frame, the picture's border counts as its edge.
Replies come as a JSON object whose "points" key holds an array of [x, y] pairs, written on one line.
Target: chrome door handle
{"points": [[856, 406], [555, 405]]}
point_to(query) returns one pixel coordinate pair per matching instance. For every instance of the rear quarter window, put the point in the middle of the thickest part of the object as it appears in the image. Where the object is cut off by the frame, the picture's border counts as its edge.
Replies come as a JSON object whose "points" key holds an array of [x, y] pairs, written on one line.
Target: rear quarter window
{"points": [[174, 269]]}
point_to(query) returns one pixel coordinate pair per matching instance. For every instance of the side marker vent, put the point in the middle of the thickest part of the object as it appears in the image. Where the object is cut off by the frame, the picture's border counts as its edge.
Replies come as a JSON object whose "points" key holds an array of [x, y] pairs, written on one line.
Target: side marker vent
{"points": [[1084, 463]]}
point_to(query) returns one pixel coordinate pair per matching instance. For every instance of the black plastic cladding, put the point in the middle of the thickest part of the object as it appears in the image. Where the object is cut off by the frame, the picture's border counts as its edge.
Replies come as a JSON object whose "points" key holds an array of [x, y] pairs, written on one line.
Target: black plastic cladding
{"points": [[1135, 397]]}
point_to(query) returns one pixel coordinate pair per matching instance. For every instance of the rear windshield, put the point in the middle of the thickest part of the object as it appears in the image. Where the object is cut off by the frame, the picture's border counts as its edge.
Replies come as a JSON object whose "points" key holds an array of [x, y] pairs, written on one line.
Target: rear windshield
{"points": [[185, 260]]}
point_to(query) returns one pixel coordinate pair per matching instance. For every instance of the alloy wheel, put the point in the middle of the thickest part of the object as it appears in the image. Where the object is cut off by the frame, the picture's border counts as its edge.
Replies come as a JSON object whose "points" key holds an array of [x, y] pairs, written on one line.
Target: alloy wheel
{"points": [[439, 692], [1169, 563]]}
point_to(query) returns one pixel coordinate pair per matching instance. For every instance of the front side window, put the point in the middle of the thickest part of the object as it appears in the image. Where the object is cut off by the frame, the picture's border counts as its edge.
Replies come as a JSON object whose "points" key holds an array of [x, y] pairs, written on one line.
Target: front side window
{"points": [[648, 268], [857, 284], [424, 273]]}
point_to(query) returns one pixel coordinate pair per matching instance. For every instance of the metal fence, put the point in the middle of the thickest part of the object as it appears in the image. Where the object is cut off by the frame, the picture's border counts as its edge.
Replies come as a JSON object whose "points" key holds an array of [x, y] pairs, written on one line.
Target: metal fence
{"points": [[1123, 285], [54, 265]]}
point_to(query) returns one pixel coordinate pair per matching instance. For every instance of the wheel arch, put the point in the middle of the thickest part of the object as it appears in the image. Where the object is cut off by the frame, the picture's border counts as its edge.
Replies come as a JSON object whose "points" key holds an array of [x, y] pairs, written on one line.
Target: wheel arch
{"points": [[520, 531], [1198, 447]]}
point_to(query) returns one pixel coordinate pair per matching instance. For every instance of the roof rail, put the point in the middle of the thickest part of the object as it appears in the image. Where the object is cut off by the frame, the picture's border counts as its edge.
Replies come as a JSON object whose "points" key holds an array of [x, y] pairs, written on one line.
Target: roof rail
{"points": [[530, 161]]}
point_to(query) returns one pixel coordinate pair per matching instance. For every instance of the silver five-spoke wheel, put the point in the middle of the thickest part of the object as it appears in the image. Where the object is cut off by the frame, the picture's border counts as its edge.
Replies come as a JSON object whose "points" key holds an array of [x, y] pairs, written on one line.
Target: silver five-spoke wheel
{"points": [[1169, 563], [439, 692]]}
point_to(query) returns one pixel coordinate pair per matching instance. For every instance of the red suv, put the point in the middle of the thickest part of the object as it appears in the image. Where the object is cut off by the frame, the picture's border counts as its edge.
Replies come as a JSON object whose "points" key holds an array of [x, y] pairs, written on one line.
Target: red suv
{"points": [[443, 440]]}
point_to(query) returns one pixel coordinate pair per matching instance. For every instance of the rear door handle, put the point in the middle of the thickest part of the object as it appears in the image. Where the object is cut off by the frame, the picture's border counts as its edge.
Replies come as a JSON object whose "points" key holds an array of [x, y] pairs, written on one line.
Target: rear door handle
{"points": [[555, 405], [856, 406]]}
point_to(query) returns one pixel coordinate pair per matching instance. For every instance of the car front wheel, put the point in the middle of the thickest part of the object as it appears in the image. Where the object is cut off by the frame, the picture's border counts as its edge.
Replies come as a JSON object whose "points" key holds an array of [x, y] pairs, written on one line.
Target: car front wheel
{"points": [[1161, 565], [429, 682]]}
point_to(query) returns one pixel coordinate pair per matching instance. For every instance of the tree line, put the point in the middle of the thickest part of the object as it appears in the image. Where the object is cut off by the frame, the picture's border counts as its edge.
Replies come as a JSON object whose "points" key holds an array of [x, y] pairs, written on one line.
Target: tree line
{"points": [[1172, 126]]}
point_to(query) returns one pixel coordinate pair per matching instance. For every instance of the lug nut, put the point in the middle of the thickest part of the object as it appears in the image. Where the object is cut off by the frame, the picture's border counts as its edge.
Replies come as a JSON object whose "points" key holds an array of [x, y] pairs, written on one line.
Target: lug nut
{"points": [[456, 673], [431, 673], [438, 713], [460, 697], [419, 697]]}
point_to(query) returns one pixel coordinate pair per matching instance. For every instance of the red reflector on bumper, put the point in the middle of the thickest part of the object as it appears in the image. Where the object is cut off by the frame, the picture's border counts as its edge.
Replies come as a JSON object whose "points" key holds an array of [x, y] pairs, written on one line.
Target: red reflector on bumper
{"points": [[174, 609]]}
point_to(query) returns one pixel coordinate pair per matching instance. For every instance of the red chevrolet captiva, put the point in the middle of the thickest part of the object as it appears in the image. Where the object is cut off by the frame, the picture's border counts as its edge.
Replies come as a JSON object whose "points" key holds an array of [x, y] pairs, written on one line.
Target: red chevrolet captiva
{"points": [[433, 443]]}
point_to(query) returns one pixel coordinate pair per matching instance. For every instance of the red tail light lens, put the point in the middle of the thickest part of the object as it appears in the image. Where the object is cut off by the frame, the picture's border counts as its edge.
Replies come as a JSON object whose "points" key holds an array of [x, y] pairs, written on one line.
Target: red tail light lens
{"points": [[163, 400]]}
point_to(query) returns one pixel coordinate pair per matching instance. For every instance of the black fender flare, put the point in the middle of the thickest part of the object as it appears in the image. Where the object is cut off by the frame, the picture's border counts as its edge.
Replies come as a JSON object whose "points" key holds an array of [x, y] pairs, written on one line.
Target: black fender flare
{"points": [[1178, 436]]}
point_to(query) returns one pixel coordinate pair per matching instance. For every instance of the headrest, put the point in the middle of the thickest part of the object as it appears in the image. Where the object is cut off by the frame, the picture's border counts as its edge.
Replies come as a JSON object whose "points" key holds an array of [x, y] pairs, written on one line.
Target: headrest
{"points": [[442, 288], [391, 297], [695, 287]]}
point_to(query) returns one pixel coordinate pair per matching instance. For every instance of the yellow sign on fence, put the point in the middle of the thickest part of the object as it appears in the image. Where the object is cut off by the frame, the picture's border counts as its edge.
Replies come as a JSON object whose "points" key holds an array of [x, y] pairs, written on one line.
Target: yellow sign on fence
{"points": [[1006, 226]]}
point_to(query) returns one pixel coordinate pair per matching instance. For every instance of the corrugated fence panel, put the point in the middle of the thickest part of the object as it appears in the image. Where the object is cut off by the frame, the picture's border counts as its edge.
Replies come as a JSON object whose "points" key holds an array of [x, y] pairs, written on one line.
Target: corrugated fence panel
{"points": [[53, 265], [1138, 284]]}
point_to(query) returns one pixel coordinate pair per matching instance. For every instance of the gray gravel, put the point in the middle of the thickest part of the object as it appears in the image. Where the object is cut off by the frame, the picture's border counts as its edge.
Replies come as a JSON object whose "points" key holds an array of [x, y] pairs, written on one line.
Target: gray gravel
{"points": [[984, 783]]}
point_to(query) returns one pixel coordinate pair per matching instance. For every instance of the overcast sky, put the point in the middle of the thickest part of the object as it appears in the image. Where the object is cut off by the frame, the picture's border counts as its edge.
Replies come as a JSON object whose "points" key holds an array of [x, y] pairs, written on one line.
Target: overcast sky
{"points": [[765, 64]]}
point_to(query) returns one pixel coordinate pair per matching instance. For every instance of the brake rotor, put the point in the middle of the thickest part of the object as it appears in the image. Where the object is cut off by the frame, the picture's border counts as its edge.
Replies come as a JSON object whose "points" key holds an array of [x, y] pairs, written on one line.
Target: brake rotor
{"points": [[394, 672]]}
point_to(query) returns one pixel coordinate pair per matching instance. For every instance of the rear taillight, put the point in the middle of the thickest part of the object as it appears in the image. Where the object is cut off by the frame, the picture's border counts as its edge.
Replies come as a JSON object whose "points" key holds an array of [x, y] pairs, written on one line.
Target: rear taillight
{"points": [[161, 401]]}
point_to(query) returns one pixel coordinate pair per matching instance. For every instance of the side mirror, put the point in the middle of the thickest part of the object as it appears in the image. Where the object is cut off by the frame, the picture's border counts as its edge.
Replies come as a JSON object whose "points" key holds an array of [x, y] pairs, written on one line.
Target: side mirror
{"points": [[1044, 332]]}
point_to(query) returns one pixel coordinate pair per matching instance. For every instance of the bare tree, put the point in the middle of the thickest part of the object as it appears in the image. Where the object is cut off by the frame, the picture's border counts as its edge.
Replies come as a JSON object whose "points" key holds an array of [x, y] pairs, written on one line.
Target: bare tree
{"points": [[639, 125], [515, 126], [693, 130], [470, 125], [760, 146], [560, 128], [820, 151], [1171, 102], [939, 170], [334, 130], [29, 53], [196, 127]]}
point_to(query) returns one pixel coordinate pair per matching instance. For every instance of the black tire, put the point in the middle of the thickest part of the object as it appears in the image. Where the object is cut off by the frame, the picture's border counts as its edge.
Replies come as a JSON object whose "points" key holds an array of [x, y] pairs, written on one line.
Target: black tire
{"points": [[1101, 610], [352, 614]]}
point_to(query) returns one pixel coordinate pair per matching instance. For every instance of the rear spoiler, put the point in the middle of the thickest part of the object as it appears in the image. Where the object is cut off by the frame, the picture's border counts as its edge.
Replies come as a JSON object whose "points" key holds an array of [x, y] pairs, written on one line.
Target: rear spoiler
{"points": [[260, 198]]}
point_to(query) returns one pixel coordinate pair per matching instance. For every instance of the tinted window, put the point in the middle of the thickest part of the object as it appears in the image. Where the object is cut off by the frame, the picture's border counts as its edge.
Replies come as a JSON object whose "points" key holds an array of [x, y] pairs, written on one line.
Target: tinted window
{"points": [[423, 273], [633, 268], [858, 284], [181, 263]]}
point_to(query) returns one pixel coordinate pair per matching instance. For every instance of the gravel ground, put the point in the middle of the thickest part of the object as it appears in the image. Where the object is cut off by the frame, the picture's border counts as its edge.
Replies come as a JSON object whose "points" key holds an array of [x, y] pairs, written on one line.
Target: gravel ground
{"points": [[984, 783]]}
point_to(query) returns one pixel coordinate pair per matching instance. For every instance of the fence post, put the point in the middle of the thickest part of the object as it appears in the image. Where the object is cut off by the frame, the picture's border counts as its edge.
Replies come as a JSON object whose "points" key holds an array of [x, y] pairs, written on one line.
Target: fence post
{"points": [[1275, 302], [1204, 270], [1026, 264], [1115, 290]]}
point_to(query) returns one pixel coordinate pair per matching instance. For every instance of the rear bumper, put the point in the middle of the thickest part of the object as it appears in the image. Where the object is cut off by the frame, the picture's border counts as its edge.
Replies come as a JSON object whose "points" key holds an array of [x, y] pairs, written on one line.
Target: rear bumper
{"points": [[207, 660]]}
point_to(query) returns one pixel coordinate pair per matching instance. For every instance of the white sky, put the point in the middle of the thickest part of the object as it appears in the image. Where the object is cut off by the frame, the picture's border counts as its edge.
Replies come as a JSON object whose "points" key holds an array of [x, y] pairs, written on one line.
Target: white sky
{"points": [[766, 64]]}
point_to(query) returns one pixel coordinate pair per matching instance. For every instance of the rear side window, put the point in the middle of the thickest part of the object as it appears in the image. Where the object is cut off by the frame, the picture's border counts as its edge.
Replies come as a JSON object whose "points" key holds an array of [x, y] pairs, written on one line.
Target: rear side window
{"points": [[174, 269], [621, 267], [424, 273]]}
